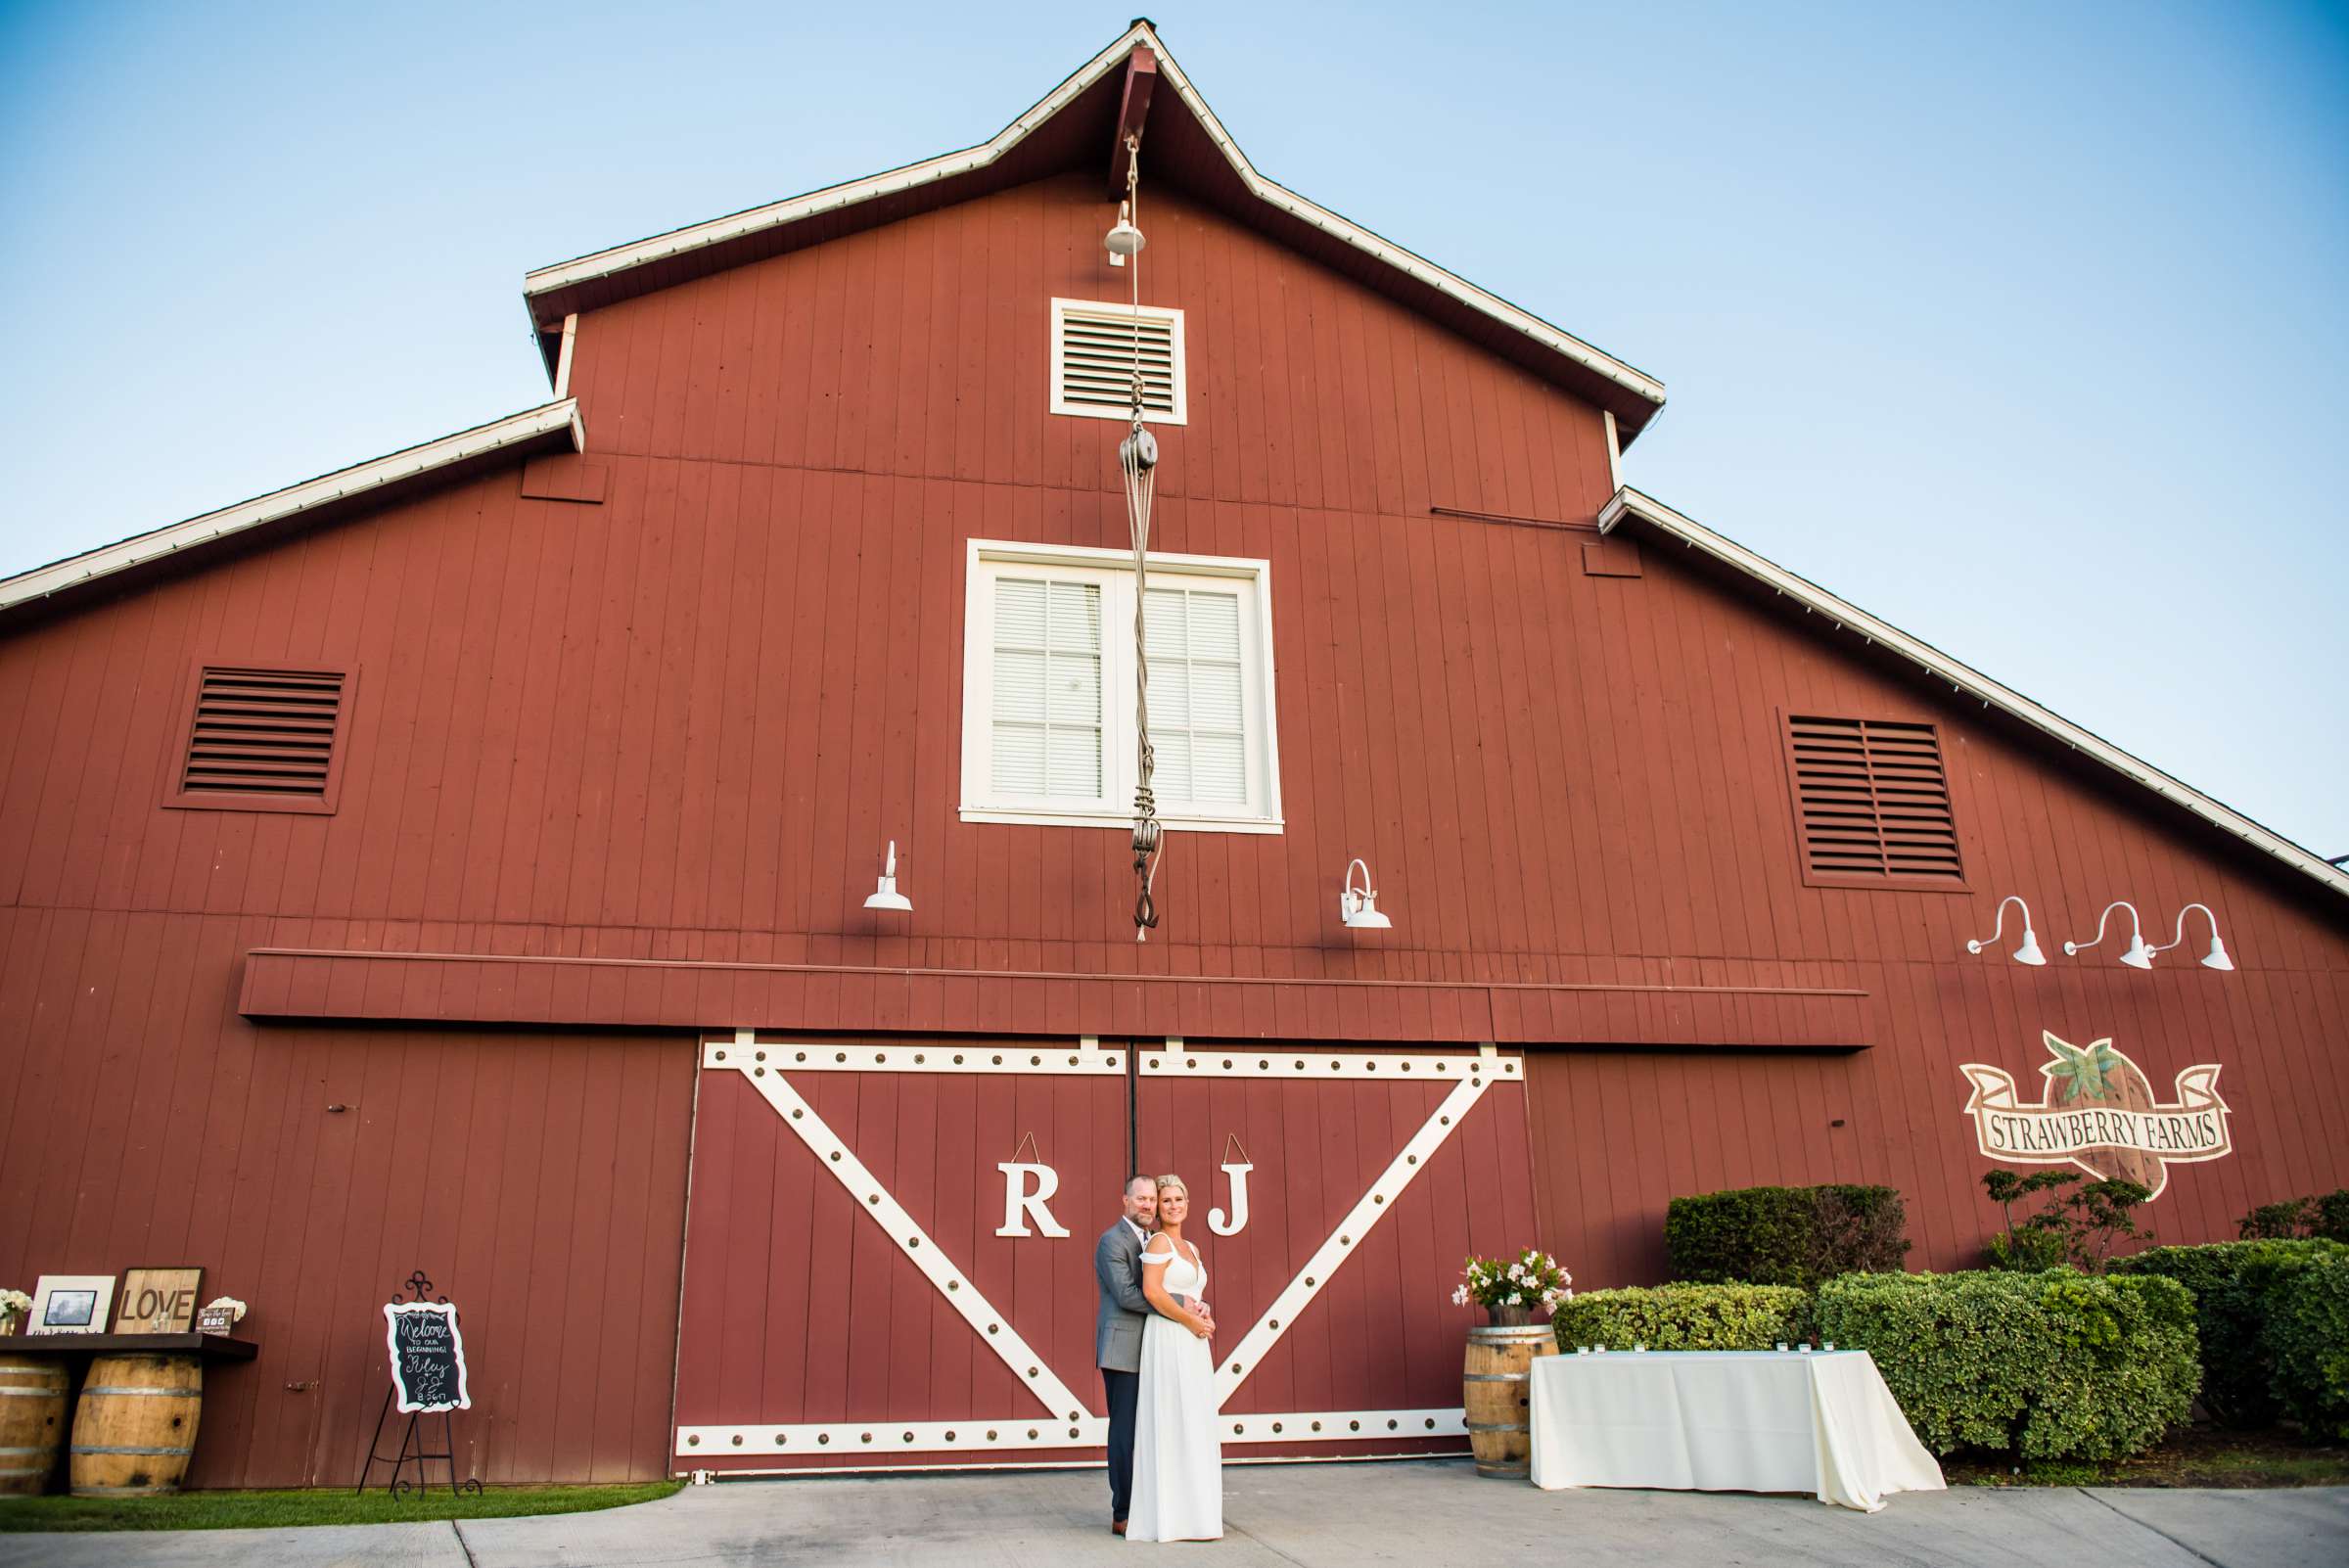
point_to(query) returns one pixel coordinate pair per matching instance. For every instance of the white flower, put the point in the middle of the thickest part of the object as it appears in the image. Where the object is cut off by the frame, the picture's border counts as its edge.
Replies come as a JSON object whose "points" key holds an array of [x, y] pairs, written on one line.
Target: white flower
{"points": [[1516, 1299], [1516, 1271], [15, 1301], [1460, 1297]]}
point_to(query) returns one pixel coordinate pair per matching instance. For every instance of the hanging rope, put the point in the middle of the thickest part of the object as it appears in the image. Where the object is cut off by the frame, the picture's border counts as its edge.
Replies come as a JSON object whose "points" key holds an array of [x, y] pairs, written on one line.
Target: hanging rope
{"points": [[1138, 460]]}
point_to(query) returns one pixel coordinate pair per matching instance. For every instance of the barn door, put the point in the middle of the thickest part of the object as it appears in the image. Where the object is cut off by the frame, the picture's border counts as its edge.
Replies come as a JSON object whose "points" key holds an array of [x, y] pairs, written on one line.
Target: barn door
{"points": [[858, 1291], [1334, 1194], [889, 1247]]}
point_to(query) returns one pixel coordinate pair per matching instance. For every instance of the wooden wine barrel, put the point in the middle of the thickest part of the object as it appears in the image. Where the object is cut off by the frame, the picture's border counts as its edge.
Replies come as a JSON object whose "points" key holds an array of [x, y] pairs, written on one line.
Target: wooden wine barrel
{"points": [[1497, 1391], [134, 1426], [32, 1421]]}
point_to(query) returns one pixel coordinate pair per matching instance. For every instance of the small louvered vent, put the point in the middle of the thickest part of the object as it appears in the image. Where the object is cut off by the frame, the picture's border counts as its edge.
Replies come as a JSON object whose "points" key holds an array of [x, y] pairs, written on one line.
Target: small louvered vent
{"points": [[269, 735], [1871, 799], [1094, 347]]}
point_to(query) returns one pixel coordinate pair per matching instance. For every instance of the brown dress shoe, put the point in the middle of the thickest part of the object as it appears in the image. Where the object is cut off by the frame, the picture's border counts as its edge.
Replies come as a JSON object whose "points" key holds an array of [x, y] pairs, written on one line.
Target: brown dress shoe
{"points": [[1117, 1527]]}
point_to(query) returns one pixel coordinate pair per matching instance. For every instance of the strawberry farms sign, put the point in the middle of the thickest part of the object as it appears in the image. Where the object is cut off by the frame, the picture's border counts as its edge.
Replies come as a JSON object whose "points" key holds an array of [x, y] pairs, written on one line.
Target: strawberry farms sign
{"points": [[2096, 1110]]}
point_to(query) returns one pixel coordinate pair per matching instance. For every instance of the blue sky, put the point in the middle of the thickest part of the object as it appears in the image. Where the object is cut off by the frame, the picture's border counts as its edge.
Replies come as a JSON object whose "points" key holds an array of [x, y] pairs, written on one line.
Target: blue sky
{"points": [[2024, 327]]}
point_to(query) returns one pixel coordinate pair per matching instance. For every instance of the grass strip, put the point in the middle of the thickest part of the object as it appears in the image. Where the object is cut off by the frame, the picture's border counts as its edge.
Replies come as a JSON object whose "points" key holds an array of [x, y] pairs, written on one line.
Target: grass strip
{"points": [[269, 1510]]}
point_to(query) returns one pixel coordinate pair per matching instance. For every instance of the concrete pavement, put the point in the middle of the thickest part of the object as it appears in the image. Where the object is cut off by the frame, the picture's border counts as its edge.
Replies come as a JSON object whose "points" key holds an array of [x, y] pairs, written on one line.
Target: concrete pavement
{"points": [[1301, 1516]]}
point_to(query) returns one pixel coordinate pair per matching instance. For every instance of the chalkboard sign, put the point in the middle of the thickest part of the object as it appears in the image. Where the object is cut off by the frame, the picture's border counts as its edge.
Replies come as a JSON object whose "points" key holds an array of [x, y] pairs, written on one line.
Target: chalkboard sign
{"points": [[428, 1355]]}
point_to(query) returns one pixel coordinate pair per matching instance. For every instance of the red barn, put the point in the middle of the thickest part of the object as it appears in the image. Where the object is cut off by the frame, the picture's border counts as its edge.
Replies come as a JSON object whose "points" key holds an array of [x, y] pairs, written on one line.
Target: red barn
{"points": [[461, 861]]}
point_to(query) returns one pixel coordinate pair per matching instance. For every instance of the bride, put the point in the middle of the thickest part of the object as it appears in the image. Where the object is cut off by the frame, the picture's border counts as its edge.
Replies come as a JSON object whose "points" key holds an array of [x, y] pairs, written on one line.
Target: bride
{"points": [[1177, 1458]]}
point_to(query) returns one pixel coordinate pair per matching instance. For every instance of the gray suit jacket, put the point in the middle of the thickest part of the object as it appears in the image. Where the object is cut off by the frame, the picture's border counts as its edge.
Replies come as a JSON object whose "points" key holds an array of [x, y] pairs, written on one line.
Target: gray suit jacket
{"points": [[1118, 1328]]}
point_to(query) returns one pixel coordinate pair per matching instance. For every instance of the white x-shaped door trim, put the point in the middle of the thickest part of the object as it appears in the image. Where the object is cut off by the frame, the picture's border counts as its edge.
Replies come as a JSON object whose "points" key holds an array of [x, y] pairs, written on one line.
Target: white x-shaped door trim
{"points": [[1063, 1422]]}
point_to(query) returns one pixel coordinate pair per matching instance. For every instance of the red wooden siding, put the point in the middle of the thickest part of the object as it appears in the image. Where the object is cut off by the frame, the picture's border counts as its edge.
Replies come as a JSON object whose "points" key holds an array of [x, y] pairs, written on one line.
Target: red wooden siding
{"points": [[539, 1180]]}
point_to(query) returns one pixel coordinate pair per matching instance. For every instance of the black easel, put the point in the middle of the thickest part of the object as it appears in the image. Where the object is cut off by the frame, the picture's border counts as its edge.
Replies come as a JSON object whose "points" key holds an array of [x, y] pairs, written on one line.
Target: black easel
{"points": [[411, 1443]]}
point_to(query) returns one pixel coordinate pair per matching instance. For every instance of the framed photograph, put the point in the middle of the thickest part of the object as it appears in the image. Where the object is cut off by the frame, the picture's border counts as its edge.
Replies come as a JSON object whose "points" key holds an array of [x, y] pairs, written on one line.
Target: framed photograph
{"points": [[71, 1304], [158, 1301]]}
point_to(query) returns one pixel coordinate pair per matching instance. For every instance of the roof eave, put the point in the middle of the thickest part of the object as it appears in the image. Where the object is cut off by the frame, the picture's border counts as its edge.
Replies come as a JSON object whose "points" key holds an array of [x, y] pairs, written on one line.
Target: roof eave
{"points": [[1627, 504], [552, 291], [554, 424]]}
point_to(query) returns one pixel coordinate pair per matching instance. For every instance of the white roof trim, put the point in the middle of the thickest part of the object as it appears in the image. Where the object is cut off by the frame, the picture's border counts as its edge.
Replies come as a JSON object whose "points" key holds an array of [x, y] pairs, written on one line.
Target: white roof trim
{"points": [[513, 430], [1966, 681], [622, 257]]}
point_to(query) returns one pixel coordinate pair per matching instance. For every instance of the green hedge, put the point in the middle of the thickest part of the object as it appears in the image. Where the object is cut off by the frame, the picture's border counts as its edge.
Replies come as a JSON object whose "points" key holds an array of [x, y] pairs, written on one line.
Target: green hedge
{"points": [[1686, 1317], [2307, 1337], [2237, 1286], [2051, 1366], [1785, 1235]]}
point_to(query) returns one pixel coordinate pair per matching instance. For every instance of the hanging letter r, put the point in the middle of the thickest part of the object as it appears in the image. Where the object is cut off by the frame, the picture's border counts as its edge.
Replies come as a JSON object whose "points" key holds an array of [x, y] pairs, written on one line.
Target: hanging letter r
{"points": [[1021, 1205]]}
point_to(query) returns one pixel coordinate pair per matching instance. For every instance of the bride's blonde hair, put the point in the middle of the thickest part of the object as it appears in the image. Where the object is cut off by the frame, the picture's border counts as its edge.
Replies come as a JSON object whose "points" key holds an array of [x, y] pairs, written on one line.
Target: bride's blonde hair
{"points": [[1173, 1182]]}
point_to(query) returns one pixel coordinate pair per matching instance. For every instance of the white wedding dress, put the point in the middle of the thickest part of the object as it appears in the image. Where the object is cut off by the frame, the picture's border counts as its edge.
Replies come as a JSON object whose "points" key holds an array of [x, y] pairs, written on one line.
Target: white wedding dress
{"points": [[1177, 1456]]}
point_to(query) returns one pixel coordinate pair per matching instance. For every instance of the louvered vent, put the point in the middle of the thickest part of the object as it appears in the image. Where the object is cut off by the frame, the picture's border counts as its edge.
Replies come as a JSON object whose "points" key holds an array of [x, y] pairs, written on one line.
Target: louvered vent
{"points": [[1094, 347], [1873, 800], [269, 735]]}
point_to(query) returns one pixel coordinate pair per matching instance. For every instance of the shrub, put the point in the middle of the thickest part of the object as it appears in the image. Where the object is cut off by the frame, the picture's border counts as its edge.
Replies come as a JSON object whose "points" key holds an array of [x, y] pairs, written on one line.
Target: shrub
{"points": [[2272, 1221], [1785, 1235], [2078, 1228], [2307, 1337], [2235, 1285], [2030, 1250], [2325, 1218], [1686, 1318], [2054, 1365]]}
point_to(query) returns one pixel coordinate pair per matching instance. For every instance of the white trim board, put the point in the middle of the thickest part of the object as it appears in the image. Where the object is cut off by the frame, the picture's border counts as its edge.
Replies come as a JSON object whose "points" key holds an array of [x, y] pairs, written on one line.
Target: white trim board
{"points": [[982, 1434], [1964, 681], [1113, 571], [718, 231], [514, 430]]}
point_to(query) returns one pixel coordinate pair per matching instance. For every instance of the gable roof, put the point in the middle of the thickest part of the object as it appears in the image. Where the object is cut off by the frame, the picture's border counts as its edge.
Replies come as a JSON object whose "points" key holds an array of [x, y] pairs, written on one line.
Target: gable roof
{"points": [[550, 427], [1072, 127], [1627, 506]]}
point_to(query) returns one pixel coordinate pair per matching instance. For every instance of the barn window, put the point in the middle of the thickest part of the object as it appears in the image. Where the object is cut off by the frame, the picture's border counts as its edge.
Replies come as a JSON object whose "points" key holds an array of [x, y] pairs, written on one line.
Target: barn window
{"points": [[1049, 729], [1871, 802], [261, 738], [1094, 351]]}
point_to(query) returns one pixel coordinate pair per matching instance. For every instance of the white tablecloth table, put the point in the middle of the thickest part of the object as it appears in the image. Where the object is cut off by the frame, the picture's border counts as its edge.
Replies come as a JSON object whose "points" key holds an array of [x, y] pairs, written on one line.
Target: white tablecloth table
{"points": [[1726, 1421]]}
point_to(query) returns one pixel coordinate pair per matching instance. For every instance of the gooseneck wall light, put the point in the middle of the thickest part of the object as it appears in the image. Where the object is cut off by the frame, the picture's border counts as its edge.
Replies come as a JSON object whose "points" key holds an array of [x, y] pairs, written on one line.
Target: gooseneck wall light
{"points": [[1358, 908], [2028, 953], [2216, 957], [887, 896], [2137, 956]]}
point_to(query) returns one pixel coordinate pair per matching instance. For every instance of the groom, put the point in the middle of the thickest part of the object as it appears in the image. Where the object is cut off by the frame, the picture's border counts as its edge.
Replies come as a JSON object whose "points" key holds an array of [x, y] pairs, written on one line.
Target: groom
{"points": [[1118, 1332]]}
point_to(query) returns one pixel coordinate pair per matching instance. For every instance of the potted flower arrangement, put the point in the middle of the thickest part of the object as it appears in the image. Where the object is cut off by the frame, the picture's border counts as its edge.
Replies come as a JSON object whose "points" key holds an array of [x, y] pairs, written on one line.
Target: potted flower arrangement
{"points": [[1511, 1291], [13, 1304]]}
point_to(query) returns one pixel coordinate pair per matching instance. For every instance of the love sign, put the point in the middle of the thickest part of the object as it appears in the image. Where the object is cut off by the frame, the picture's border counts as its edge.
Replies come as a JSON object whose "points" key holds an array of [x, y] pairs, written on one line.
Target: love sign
{"points": [[158, 1301]]}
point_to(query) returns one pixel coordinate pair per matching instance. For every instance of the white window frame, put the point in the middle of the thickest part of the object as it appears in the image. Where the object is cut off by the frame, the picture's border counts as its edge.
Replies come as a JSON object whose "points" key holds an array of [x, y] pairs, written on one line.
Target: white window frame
{"points": [[1180, 384], [1113, 571]]}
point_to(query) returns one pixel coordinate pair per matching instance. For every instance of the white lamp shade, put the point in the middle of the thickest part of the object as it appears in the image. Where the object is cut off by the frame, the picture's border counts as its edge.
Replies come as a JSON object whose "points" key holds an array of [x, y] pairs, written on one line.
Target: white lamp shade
{"points": [[1126, 238], [2136, 957], [1361, 913], [2028, 953], [2216, 957]]}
